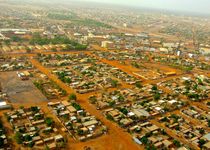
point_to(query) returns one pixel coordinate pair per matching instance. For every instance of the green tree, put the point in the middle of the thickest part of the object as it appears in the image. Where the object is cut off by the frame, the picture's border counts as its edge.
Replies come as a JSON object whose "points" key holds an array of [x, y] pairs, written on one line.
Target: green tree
{"points": [[109, 117], [201, 142], [154, 88], [112, 103], [76, 106], [49, 121], [124, 111], [35, 109], [144, 140], [27, 138], [18, 137], [114, 83], [80, 132], [72, 96], [138, 85], [201, 131], [67, 80], [157, 96], [176, 143]]}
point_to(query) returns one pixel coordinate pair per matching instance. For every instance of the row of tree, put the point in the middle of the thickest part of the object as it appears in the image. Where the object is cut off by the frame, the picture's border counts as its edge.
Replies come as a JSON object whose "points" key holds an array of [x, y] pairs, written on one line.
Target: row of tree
{"points": [[71, 44]]}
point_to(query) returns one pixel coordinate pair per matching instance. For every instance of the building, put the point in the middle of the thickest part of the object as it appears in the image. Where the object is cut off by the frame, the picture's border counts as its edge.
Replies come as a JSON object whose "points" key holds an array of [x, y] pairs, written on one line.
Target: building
{"points": [[205, 51], [170, 73], [125, 25], [107, 44], [4, 105], [164, 50]]}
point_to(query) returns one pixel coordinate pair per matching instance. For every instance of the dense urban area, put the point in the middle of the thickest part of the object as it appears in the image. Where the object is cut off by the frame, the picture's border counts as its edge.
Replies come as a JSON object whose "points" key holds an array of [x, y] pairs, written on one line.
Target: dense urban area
{"points": [[86, 76]]}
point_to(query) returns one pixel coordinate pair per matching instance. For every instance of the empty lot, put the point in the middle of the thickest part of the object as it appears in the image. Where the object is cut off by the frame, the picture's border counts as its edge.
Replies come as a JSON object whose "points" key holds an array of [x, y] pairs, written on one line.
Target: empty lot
{"points": [[20, 91]]}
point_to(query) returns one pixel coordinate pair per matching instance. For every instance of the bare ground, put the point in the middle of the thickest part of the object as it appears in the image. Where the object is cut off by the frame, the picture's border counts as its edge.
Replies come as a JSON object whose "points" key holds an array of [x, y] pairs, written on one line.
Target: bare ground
{"points": [[20, 91]]}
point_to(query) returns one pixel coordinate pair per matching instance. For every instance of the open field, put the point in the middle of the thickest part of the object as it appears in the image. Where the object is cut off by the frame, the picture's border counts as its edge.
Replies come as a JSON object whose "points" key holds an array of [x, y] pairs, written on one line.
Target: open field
{"points": [[20, 91]]}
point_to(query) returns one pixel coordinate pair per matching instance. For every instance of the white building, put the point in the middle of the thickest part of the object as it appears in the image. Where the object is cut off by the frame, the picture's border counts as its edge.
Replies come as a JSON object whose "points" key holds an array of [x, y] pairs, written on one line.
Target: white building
{"points": [[106, 44]]}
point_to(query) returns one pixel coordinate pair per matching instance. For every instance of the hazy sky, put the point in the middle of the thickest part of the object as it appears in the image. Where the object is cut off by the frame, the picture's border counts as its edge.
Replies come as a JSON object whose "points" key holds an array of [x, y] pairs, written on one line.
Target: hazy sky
{"points": [[201, 6]]}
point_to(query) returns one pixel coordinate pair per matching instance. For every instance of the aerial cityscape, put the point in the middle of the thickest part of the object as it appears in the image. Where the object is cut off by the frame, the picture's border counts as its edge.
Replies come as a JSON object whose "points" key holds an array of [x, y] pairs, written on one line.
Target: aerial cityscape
{"points": [[104, 75]]}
